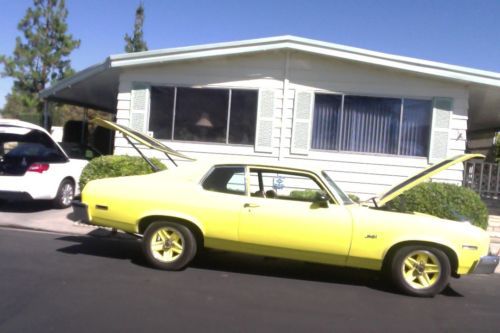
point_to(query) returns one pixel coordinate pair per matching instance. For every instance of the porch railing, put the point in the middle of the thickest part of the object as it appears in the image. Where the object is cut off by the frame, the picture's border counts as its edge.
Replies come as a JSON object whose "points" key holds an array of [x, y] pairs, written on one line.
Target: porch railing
{"points": [[483, 178]]}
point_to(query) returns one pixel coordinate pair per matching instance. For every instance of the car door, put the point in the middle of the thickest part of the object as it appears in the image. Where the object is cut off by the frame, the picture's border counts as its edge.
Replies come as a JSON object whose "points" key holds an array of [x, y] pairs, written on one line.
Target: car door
{"points": [[219, 203], [282, 217]]}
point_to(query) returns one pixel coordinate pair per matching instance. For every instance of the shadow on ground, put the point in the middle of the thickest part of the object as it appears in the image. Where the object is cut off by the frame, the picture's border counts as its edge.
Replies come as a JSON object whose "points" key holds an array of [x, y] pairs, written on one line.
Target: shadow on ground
{"points": [[112, 247], [25, 206]]}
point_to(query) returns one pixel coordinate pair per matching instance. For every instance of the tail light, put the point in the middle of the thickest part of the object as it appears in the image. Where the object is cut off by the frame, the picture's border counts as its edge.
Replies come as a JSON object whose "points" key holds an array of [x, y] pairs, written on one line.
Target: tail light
{"points": [[38, 167]]}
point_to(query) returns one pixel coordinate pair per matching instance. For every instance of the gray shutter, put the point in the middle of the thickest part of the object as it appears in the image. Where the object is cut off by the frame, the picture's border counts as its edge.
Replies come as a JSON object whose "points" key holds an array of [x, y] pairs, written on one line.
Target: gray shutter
{"points": [[441, 122], [301, 127], [139, 109], [265, 118]]}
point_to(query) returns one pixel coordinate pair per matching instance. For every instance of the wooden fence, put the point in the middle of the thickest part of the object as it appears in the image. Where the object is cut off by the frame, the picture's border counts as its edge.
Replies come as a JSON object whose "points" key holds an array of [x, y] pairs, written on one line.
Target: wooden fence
{"points": [[483, 178]]}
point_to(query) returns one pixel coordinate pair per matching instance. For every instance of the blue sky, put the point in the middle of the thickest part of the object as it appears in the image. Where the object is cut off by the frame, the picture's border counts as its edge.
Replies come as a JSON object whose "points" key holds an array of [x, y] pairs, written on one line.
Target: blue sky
{"points": [[460, 32]]}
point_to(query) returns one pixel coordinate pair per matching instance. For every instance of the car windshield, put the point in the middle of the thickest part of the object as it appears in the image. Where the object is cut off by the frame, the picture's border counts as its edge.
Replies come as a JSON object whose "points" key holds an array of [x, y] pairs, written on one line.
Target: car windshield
{"points": [[344, 197]]}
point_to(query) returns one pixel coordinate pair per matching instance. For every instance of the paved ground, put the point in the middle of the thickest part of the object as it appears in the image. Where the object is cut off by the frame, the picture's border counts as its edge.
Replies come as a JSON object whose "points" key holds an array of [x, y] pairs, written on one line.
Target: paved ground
{"points": [[39, 215], [56, 283]]}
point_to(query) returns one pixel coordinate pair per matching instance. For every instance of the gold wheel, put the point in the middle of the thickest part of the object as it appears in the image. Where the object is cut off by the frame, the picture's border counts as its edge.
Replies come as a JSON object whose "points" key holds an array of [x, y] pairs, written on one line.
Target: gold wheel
{"points": [[421, 269], [167, 244]]}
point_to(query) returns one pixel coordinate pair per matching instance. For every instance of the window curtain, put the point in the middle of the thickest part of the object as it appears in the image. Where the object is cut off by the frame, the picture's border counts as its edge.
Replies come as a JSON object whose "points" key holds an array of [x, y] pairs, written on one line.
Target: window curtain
{"points": [[326, 122], [371, 124], [415, 129]]}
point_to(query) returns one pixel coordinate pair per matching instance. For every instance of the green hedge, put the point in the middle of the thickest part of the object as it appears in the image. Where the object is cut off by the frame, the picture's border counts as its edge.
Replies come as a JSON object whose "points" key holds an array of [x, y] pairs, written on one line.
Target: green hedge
{"points": [[353, 197], [443, 200], [116, 166]]}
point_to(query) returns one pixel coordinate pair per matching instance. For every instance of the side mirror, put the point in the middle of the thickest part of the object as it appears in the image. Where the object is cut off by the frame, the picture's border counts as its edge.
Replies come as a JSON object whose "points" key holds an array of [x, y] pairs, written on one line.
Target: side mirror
{"points": [[321, 200]]}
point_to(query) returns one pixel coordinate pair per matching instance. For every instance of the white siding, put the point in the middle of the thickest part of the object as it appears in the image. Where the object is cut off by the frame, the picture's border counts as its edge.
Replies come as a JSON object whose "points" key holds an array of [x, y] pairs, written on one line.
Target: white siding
{"points": [[362, 174]]}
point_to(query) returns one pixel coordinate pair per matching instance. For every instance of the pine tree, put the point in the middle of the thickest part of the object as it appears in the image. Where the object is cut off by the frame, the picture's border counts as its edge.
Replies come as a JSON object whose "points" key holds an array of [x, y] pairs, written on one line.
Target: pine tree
{"points": [[136, 42], [41, 55]]}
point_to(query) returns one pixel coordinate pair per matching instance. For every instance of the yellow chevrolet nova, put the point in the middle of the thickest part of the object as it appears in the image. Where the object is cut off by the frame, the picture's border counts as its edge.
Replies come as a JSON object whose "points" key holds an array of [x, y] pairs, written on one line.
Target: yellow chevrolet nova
{"points": [[284, 212]]}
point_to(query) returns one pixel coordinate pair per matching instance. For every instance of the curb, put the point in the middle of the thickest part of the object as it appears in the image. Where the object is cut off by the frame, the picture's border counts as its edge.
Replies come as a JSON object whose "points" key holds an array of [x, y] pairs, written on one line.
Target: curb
{"points": [[96, 232]]}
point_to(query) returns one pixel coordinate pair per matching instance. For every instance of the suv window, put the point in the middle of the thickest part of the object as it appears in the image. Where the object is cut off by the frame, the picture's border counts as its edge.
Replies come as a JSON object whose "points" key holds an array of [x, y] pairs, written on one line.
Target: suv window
{"points": [[226, 179], [283, 185]]}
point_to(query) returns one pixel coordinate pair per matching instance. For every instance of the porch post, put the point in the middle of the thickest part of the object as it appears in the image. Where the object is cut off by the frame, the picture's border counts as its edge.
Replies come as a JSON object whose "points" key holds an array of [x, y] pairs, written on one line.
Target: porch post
{"points": [[84, 125], [46, 115]]}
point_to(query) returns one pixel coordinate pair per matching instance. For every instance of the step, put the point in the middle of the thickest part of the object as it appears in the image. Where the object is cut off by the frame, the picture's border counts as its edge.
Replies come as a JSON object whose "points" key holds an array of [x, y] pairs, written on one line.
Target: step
{"points": [[491, 229], [494, 236], [494, 218], [493, 223]]}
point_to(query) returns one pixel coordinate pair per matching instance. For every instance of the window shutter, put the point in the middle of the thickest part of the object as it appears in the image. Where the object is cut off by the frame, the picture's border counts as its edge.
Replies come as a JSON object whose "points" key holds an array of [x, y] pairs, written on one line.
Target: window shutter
{"points": [[301, 127], [265, 117], [441, 121], [139, 109]]}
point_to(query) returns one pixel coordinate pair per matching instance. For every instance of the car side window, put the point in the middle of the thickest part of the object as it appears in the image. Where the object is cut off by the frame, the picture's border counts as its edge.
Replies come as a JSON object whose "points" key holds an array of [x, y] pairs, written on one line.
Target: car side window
{"points": [[226, 179], [284, 186]]}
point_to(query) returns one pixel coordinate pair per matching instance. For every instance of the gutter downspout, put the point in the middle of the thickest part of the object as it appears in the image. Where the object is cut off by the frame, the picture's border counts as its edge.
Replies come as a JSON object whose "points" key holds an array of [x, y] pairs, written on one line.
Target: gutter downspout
{"points": [[285, 91]]}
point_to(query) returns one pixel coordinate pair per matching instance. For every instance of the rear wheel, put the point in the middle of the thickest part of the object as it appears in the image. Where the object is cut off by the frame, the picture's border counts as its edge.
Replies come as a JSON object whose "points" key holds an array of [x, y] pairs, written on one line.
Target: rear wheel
{"points": [[420, 270], [65, 194], [169, 245]]}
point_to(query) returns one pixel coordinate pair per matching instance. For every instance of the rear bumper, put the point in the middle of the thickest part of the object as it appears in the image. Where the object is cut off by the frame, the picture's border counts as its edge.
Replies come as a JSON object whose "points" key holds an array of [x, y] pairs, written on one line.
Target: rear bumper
{"points": [[486, 265], [15, 196], [80, 212]]}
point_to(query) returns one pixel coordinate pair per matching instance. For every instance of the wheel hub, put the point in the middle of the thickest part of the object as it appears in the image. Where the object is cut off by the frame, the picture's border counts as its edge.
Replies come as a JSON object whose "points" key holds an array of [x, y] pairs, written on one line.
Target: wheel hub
{"points": [[420, 268], [168, 244]]}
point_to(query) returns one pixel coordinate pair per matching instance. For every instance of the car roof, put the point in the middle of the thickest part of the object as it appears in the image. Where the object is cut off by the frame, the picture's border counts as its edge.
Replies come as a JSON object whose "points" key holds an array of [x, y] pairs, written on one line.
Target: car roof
{"points": [[204, 164], [20, 123]]}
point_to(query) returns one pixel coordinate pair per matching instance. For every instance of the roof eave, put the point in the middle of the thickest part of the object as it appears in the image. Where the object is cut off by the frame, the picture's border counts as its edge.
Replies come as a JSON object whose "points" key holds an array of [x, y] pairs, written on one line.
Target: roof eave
{"points": [[457, 73], [79, 76]]}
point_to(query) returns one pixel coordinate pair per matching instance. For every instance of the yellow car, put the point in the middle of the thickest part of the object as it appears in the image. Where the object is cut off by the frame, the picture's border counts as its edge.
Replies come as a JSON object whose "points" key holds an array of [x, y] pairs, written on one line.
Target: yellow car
{"points": [[285, 212]]}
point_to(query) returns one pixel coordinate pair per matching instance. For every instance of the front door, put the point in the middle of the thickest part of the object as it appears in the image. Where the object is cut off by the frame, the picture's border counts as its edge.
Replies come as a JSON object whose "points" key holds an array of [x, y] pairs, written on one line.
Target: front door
{"points": [[283, 217]]}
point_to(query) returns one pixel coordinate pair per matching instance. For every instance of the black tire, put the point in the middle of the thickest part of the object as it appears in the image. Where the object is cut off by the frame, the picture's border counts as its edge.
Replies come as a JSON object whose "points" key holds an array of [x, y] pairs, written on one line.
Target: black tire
{"points": [[179, 260], [65, 194], [433, 283]]}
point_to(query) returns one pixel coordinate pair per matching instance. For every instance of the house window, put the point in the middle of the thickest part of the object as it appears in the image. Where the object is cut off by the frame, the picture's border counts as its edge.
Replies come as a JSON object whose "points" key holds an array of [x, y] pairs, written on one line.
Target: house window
{"points": [[161, 112], [207, 115], [371, 124]]}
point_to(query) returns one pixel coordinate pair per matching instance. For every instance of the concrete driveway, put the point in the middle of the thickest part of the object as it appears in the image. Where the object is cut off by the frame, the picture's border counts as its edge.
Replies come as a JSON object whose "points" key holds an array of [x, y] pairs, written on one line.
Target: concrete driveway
{"points": [[39, 215]]}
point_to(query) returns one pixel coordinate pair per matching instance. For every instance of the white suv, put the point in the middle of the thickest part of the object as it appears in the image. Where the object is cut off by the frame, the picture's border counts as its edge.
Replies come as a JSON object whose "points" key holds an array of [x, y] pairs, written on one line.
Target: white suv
{"points": [[34, 166]]}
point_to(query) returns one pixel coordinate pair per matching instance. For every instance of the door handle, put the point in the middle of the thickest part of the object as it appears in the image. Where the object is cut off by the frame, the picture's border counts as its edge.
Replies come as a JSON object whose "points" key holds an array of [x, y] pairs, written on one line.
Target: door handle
{"points": [[250, 205]]}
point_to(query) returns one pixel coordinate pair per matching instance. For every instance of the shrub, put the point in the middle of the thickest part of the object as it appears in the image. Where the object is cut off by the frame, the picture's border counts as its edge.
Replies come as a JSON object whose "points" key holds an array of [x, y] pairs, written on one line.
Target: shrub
{"points": [[443, 200], [304, 195], [353, 197], [116, 166]]}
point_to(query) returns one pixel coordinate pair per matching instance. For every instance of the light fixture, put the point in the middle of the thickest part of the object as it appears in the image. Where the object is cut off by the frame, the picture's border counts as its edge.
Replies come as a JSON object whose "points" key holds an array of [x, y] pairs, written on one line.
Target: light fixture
{"points": [[204, 121]]}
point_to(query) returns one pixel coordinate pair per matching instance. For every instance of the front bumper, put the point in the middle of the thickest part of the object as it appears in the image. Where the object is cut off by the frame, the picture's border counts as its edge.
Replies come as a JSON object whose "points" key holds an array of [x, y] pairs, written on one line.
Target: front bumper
{"points": [[486, 265], [80, 212]]}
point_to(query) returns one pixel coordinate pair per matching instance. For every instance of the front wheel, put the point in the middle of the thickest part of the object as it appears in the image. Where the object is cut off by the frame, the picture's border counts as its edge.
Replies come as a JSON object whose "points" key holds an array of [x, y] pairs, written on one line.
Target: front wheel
{"points": [[169, 245], [420, 270]]}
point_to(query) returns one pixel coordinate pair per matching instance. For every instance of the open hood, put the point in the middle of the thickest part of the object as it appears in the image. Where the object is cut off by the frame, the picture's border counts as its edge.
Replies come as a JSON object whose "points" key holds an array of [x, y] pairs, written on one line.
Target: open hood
{"points": [[422, 176], [140, 138]]}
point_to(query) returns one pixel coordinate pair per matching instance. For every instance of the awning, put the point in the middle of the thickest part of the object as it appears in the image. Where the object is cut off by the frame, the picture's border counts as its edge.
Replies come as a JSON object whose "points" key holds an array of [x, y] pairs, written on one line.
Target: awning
{"points": [[95, 87]]}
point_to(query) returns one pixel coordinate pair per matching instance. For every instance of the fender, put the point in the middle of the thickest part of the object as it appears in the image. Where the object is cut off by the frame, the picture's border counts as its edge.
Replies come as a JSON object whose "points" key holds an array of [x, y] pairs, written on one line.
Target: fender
{"points": [[171, 213]]}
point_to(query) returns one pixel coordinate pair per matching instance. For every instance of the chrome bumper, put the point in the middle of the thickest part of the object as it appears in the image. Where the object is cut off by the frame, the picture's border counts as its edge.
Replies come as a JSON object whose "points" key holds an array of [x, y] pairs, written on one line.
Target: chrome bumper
{"points": [[486, 265], [80, 212]]}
